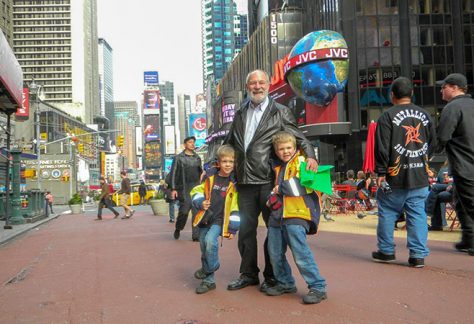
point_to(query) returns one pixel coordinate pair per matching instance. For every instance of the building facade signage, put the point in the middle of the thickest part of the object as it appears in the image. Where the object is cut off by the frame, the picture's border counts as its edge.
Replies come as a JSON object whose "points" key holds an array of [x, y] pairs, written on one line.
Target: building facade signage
{"points": [[150, 77]]}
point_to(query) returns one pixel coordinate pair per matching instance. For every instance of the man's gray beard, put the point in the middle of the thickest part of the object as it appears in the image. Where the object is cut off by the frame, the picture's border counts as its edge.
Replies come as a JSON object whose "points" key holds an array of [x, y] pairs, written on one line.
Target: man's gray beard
{"points": [[257, 101]]}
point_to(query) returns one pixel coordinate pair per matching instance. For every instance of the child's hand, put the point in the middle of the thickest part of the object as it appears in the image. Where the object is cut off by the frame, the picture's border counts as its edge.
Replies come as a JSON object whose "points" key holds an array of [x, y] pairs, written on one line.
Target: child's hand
{"points": [[230, 237], [275, 190], [206, 204]]}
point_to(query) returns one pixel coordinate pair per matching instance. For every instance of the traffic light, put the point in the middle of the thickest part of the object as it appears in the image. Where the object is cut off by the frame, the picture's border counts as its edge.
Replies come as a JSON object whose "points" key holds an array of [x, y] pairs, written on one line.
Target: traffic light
{"points": [[120, 141], [80, 147]]}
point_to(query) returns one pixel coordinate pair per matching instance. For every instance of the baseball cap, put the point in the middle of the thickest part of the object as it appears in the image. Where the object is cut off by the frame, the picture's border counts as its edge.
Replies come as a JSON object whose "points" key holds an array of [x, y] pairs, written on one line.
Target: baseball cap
{"points": [[189, 138], [454, 79]]}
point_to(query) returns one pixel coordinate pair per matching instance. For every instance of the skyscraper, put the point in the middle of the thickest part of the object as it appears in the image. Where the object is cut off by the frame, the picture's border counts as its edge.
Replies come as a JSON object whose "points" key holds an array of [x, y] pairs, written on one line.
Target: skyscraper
{"points": [[6, 24], [106, 82], [56, 44], [220, 43]]}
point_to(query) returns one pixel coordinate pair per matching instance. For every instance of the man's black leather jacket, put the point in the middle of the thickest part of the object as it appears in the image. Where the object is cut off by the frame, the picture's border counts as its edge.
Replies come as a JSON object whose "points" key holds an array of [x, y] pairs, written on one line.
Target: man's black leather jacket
{"points": [[185, 172], [252, 166]]}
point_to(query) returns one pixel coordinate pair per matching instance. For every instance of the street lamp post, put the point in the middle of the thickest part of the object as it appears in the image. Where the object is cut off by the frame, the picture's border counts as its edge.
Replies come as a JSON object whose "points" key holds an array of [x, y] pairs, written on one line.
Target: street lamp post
{"points": [[35, 90]]}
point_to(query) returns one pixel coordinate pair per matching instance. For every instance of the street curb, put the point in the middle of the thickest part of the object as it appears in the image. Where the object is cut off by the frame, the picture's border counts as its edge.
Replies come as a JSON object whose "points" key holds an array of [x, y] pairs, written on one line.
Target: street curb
{"points": [[7, 235]]}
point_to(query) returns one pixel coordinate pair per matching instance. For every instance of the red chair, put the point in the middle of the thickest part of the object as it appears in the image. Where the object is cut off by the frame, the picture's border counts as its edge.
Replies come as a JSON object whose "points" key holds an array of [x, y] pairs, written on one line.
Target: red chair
{"points": [[452, 216]]}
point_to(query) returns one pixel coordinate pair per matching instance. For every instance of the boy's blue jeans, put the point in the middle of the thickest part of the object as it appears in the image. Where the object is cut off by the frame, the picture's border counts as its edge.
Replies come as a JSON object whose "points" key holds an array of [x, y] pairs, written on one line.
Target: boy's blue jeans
{"points": [[412, 202], [209, 241], [293, 236]]}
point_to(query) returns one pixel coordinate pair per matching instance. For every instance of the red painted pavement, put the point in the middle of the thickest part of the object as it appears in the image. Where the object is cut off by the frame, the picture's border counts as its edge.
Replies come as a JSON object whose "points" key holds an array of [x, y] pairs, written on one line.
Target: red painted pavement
{"points": [[77, 270]]}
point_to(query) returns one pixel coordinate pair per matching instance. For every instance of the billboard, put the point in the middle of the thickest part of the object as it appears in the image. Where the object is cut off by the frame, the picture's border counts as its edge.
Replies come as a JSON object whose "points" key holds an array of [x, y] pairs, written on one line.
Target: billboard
{"points": [[197, 128], [151, 101], [150, 77], [23, 112], [170, 140], [152, 155], [168, 164], [138, 140], [151, 131]]}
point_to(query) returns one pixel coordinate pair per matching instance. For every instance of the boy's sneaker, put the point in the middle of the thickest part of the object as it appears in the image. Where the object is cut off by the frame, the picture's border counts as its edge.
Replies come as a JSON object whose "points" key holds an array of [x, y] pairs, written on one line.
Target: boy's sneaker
{"points": [[416, 262], [314, 297], [278, 290], [382, 257], [204, 287], [200, 274]]}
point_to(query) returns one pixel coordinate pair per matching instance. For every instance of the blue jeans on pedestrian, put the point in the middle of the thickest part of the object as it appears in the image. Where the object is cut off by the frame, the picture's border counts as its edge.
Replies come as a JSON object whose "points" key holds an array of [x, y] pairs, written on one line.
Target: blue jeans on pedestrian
{"points": [[209, 241], [172, 208], [391, 205], [294, 236]]}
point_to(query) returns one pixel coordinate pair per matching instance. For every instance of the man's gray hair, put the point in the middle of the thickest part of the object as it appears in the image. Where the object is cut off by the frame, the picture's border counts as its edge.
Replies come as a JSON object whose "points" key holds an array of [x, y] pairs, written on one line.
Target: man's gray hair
{"points": [[255, 71]]}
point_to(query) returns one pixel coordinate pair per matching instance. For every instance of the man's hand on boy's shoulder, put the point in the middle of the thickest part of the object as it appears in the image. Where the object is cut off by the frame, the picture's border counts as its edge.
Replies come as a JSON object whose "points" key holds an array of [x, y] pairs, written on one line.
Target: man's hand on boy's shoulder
{"points": [[311, 164]]}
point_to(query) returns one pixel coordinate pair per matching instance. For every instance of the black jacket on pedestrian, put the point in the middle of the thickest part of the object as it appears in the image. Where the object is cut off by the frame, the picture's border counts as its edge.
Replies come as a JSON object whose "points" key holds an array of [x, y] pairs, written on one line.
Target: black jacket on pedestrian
{"points": [[185, 172], [252, 166], [404, 139], [456, 133]]}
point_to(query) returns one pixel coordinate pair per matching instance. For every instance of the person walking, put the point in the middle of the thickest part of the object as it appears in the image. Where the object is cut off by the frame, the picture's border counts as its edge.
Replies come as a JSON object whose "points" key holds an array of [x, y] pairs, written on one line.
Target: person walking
{"points": [[251, 134], [456, 134], [104, 199], [185, 175], [172, 203], [142, 192], [404, 139], [49, 201], [125, 190]]}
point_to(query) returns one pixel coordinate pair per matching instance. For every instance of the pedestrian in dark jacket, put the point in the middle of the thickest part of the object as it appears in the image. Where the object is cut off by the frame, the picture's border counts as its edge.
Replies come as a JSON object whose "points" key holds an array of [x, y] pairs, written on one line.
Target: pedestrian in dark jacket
{"points": [[104, 199], [251, 136], [456, 134], [142, 193], [185, 175], [403, 141]]}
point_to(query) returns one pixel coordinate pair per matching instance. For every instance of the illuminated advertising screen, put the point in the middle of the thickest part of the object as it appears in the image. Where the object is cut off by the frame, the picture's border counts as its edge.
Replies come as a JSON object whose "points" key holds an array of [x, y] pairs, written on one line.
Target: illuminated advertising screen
{"points": [[151, 100], [168, 164], [197, 128], [151, 130], [152, 155]]}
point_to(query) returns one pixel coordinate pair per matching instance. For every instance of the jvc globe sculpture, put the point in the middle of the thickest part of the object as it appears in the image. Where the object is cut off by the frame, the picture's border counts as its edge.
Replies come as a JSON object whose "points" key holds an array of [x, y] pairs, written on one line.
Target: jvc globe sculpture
{"points": [[318, 66]]}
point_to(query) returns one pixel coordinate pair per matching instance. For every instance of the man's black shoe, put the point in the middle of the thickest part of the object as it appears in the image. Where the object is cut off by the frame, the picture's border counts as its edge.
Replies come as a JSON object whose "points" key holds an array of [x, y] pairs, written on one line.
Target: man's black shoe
{"points": [[267, 283], [462, 246], [314, 297], [435, 228], [195, 239], [176, 234], [382, 257], [278, 290], [116, 215], [242, 282], [470, 252], [416, 262]]}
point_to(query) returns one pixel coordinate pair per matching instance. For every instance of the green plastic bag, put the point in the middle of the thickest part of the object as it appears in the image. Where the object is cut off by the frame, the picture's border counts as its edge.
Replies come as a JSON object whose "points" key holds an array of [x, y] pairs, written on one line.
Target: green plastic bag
{"points": [[320, 181]]}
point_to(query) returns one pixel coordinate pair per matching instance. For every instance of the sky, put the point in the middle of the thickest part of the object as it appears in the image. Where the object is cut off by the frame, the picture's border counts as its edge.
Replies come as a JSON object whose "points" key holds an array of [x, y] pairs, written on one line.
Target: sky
{"points": [[153, 35]]}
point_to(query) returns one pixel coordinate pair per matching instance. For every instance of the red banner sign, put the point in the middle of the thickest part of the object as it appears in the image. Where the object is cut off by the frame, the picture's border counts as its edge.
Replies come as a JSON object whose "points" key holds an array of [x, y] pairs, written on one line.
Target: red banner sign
{"points": [[24, 111], [316, 55]]}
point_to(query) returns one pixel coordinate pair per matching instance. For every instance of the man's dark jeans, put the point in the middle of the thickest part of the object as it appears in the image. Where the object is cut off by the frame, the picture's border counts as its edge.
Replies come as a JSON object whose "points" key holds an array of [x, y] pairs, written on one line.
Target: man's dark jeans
{"points": [[252, 202], [108, 204], [184, 207]]}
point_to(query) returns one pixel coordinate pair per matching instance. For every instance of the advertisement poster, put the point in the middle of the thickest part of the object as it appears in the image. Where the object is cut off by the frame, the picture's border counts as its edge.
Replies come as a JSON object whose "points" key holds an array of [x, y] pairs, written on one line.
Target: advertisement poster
{"points": [[150, 77], [151, 129], [170, 140], [152, 155], [168, 164], [151, 101], [197, 128]]}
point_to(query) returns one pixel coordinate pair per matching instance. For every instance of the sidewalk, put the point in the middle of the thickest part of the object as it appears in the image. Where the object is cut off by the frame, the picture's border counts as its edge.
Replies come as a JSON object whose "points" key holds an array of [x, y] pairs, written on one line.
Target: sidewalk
{"points": [[17, 230], [76, 269]]}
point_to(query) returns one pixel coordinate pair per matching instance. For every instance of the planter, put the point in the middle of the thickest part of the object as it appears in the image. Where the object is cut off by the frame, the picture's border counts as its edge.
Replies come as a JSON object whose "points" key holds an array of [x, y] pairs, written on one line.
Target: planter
{"points": [[76, 209], [159, 207]]}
